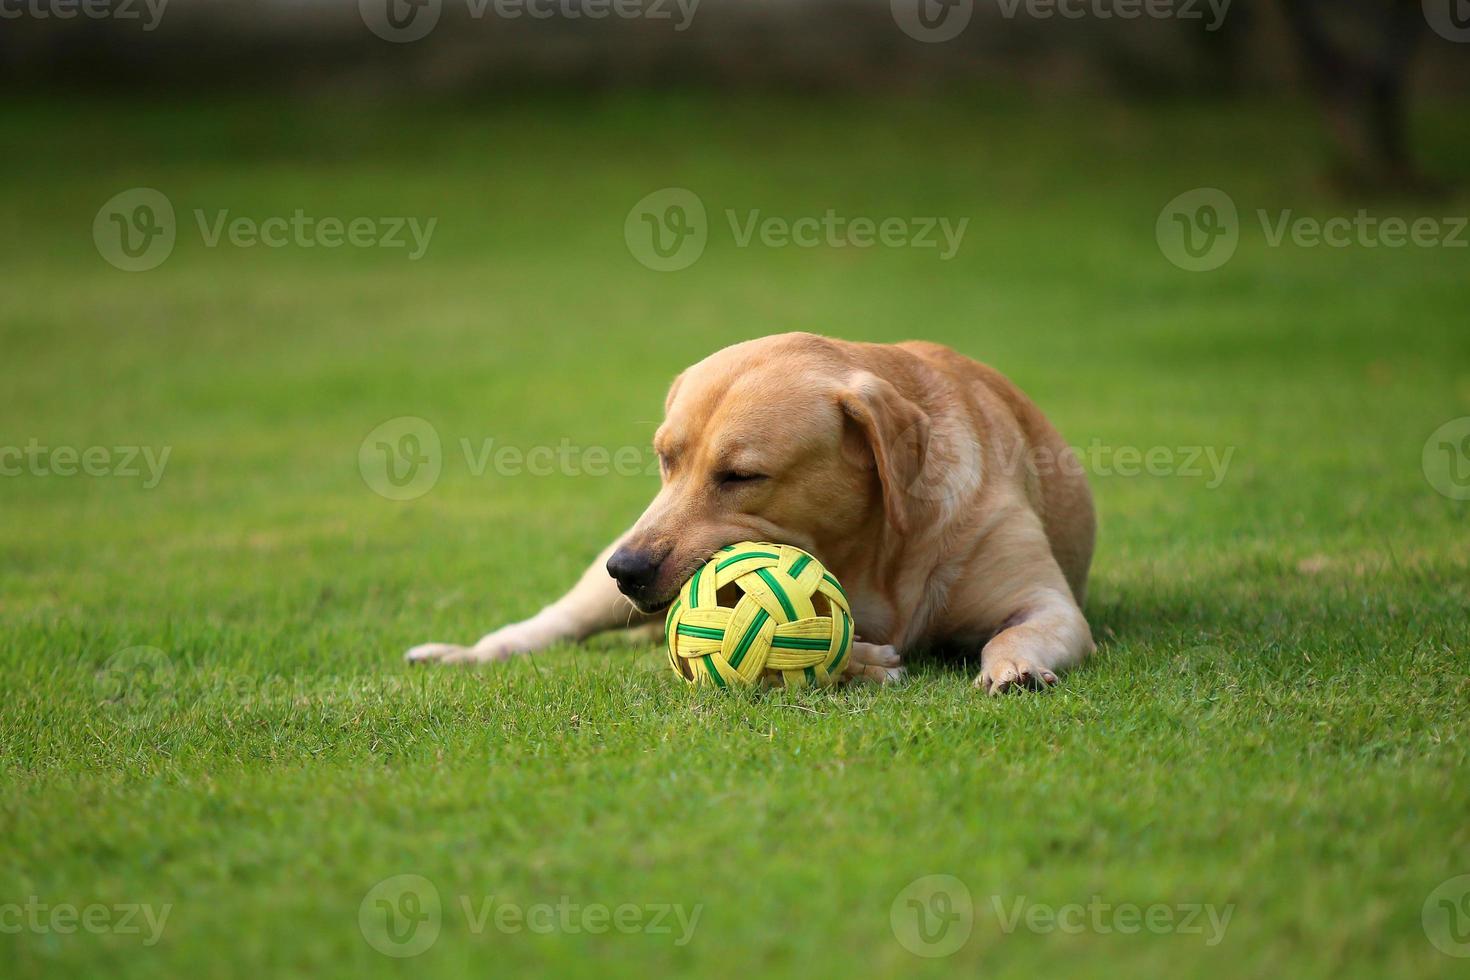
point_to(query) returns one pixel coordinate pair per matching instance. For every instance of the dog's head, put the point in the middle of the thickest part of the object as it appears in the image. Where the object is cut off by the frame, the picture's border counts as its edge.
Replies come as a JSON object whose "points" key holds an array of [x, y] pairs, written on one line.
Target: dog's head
{"points": [[790, 439]]}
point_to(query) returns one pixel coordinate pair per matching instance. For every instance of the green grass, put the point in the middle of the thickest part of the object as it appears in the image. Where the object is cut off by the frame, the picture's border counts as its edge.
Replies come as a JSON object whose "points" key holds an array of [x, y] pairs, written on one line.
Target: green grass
{"points": [[1276, 720]]}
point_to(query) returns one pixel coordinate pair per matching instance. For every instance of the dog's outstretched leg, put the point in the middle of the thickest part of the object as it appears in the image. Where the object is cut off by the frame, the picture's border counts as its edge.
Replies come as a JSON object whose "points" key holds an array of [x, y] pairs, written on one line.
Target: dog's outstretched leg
{"points": [[592, 606]]}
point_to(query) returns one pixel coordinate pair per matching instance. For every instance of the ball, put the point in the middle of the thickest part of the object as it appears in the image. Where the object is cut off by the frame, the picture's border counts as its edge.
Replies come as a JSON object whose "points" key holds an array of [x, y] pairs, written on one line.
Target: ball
{"points": [[760, 613]]}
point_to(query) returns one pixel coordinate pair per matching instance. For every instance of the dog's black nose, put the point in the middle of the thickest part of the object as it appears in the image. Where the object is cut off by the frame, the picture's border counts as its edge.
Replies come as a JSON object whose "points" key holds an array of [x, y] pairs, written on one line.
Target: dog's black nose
{"points": [[634, 570]]}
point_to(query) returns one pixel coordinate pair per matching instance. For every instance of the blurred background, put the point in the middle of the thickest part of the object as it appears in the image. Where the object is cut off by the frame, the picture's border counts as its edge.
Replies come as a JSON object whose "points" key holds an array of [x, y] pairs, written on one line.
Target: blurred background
{"points": [[1362, 61], [281, 279]]}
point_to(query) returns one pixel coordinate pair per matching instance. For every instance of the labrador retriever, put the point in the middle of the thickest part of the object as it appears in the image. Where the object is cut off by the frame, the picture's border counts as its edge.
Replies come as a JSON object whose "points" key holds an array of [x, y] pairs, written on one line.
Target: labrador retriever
{"points": [[950, 509]]}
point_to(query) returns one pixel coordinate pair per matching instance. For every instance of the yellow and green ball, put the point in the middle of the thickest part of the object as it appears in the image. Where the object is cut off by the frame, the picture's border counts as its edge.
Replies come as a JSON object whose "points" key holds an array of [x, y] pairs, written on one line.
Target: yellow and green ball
{"points": [[760, 613]]}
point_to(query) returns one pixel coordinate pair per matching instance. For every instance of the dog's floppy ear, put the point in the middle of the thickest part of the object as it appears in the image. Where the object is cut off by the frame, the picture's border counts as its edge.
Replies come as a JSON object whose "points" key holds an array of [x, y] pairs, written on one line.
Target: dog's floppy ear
{"points": [[894, 436]]}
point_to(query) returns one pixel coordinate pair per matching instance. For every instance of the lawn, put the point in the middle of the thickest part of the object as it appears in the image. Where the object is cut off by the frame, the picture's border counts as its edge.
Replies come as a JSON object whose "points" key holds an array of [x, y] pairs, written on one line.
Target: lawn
{"points": [[205, 714]]}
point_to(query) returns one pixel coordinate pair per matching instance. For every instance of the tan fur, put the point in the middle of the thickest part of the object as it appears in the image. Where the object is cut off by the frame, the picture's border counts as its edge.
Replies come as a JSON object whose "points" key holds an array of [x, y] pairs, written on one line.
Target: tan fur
{"points": [[938, 494]]}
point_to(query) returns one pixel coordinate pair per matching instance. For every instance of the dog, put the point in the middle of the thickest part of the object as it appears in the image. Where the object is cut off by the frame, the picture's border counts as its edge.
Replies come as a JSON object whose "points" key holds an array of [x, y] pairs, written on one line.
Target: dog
{"points": [[951, 510]]}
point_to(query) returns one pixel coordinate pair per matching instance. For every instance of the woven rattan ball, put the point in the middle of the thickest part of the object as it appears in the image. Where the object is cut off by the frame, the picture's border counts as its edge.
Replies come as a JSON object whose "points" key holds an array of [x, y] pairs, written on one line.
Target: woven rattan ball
{"points": [[760, 613]]}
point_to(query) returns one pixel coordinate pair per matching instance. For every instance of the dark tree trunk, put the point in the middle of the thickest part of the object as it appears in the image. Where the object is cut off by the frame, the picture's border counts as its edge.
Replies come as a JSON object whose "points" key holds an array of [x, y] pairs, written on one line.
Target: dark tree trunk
{"points": [[1357, 55]]}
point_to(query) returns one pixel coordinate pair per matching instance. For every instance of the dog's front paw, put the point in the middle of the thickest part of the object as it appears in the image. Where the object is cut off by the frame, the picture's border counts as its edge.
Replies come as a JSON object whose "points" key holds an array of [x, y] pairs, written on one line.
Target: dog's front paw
{"points": [[880, 664], [500, 645], [1002, 674], [448, 653]]}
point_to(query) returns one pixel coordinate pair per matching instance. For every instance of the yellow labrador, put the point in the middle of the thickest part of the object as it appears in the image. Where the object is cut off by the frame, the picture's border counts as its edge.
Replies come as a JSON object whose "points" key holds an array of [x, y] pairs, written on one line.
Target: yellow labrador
{"points": [[938, 494]]}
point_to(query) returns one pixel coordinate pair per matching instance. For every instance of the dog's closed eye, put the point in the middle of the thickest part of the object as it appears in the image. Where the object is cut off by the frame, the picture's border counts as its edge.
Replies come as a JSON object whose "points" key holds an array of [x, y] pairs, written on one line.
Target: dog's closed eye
{"points": [[732, 478]]}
